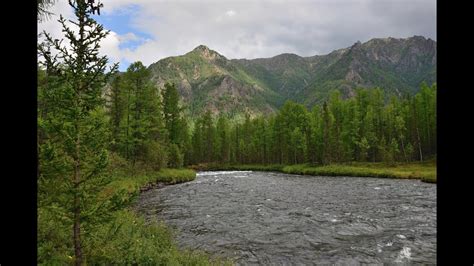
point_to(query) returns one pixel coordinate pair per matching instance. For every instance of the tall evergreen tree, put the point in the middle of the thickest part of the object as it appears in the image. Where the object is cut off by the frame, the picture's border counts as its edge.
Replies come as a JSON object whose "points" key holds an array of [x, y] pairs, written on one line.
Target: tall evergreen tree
{"points": [[171, 112], [223, 137], [74, 155], [116, 107]]}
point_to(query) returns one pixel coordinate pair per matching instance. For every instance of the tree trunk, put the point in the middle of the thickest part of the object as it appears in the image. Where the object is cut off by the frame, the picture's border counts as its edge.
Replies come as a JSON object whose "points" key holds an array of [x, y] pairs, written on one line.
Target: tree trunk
{"points": [[77, 232], [403, 148], [127, 156], [77, 208], [419, 144]]}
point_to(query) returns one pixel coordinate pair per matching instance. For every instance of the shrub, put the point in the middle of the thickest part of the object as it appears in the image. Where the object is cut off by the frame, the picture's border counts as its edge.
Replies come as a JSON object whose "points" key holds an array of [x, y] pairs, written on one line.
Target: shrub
{"points": [[156, 155], [175, 157]]}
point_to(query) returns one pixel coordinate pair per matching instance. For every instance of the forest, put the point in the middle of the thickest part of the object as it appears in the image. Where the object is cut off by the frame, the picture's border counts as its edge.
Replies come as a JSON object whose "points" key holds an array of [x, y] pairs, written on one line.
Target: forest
{"points": [[102, 135], [149, 128], [362, 128], [368, 127]]}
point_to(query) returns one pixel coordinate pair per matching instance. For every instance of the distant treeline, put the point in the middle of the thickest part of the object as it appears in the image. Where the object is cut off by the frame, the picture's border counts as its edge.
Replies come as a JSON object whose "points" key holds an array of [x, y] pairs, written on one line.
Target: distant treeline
{"points": [[361, 128], [151, 128]]}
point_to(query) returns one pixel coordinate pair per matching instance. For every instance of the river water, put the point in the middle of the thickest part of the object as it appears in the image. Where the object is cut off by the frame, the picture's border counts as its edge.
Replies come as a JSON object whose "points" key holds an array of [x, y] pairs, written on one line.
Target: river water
{"points": [[281, 219]]}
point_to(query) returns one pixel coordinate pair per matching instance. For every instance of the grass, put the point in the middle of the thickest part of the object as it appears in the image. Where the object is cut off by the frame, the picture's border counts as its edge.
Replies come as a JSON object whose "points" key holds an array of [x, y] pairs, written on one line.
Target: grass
{"points": [[132, 184], [129, 240], [134, 241], [125, 238], [126, 186], [425, 171]]}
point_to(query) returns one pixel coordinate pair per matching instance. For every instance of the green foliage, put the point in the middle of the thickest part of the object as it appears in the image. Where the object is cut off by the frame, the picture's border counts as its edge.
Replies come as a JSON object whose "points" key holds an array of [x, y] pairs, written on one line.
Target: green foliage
{"points": [[156, 156], [404, 171], [125, 238], [362, 128], [53, 234], [85, 123], [72, 125], [136, 113], [175, 157], [223, 140], [129, 240], [171, 112]]}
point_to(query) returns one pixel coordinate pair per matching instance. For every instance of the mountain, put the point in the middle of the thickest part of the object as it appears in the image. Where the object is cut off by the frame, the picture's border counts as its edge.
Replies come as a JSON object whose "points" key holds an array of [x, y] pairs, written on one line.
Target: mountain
{"points": [[208, 81]]}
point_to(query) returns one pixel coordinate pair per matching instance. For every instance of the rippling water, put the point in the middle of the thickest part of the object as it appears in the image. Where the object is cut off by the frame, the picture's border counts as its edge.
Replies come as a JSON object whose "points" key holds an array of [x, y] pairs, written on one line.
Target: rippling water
{"points": [[275, 218]]}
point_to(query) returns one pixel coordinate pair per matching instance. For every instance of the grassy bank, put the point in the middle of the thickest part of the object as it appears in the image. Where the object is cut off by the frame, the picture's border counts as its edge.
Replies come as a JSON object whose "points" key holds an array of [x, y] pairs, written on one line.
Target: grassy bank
{"points": [[125, 238], [135, 241], [425, 171], [128, 185]]}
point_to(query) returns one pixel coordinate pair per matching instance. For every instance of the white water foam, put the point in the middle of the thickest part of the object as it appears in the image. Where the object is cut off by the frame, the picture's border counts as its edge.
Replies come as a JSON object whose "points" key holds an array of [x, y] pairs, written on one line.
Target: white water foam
{"points": [[405, 253], [379, 248], [220, 172], [401, 236]]}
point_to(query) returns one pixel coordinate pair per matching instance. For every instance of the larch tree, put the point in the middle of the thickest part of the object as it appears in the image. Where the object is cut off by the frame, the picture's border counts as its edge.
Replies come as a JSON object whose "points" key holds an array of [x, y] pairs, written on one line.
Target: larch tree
{"points": [[172, 112], [73, 155]]}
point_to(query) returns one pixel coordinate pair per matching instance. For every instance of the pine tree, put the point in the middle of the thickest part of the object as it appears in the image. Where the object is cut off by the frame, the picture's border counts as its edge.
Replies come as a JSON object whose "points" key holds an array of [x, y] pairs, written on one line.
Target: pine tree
{"points": [[315, 142], [140, 115], [298, 144], [223, 139], [171, 112], [327, 123], [116, 107], [197, 142], [175, 157], [74, 155]]}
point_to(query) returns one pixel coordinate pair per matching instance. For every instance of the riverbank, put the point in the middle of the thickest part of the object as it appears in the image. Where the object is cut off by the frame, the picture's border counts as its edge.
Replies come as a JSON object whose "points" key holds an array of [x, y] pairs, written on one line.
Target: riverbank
{"points": [[425, 171], [124, 237], [142, 242]]}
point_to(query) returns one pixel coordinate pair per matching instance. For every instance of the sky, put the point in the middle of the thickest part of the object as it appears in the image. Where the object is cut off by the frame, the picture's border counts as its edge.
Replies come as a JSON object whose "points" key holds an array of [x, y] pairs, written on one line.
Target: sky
{"points": [[149, 30]]}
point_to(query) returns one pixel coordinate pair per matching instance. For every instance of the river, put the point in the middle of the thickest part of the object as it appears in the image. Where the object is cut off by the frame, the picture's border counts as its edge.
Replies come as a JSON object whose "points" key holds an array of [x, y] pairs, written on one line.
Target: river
{"points": [[280, 219]]}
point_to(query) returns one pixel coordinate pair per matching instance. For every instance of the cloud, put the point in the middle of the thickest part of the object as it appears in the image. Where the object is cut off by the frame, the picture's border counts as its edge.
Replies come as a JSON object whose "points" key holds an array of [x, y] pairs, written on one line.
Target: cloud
{"points": [[258, 28], [230, 13]]}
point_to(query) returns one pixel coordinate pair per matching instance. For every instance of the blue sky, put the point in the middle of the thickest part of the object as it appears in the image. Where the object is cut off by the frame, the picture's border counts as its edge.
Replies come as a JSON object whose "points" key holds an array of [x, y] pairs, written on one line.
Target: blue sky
{"points": [[149, 30], [121, 23]]}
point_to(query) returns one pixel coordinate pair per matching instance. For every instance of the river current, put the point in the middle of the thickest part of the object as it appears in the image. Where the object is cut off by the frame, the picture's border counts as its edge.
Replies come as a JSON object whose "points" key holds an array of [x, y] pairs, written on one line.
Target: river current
{"points": [[281, 219]]}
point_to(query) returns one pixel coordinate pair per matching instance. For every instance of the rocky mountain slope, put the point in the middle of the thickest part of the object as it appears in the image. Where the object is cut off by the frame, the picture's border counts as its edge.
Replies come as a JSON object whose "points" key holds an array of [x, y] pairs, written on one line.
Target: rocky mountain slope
{"points": [[209, 81]]}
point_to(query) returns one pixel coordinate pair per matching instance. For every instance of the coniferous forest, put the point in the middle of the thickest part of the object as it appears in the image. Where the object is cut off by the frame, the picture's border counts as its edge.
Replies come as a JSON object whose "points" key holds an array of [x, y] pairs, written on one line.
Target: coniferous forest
{"points": [[103, 136]]}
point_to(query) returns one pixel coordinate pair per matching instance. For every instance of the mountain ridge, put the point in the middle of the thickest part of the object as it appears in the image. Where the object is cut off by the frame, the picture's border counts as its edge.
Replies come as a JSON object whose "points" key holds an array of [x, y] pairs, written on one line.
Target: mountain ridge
{"points": [[207, 80]]}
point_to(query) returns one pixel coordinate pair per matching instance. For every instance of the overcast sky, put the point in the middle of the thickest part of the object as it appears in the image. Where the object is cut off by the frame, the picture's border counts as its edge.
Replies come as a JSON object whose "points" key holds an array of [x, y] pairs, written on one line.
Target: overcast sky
{"points": [[149, 30]]}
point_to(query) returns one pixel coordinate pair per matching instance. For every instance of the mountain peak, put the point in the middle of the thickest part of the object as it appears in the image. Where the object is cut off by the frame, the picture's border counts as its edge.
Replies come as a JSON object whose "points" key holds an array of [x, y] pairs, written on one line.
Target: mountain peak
{"points": [[201, 47], [418, 37], [205, 52]]}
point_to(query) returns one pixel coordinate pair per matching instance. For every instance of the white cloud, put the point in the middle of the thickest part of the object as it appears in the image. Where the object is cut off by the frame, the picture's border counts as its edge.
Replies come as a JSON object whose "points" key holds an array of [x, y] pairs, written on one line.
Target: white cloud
{"points": [[253, 28], [128, 37], [110, 47], [230, 13]]}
